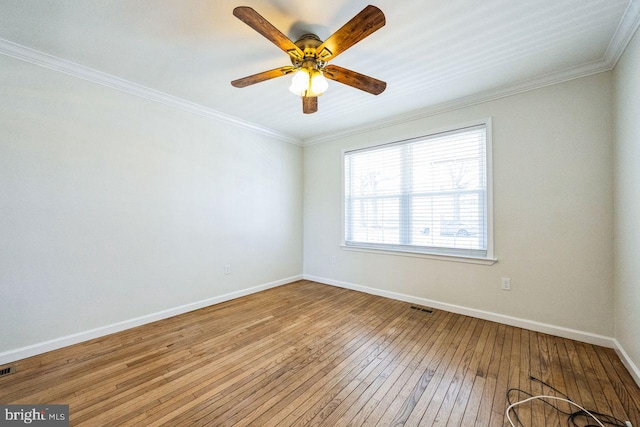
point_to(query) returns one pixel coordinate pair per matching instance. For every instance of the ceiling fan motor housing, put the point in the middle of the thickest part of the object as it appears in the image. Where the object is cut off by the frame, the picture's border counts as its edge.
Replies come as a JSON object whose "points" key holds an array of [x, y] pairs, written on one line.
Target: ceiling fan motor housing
{"points": [[309, 43]]}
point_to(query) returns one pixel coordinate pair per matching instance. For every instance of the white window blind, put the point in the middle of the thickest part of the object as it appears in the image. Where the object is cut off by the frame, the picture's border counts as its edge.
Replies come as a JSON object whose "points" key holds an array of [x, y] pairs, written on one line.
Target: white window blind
{"points": [[425, 195]]}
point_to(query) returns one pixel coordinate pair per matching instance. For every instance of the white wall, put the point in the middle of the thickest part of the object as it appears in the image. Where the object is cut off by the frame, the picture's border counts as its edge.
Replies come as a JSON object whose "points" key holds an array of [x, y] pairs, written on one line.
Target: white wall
{"points": [[113, 207], [553, 203], [627, 203]]}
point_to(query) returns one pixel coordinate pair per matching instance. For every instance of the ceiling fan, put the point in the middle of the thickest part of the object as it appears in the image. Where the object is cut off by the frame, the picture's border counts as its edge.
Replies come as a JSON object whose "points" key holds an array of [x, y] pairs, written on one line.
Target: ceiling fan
{"points": [[309, 56]]}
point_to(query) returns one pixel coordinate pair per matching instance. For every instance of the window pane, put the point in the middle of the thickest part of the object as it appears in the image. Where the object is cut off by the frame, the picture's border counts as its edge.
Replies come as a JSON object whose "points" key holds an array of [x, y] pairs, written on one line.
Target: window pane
{"points": [[375, 220], [435, 224], [376, 173]]}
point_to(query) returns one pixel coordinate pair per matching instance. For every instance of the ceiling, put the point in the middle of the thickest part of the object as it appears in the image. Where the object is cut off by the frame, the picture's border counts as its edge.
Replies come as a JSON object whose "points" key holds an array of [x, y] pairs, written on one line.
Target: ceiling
{"points": [[434, 55]]}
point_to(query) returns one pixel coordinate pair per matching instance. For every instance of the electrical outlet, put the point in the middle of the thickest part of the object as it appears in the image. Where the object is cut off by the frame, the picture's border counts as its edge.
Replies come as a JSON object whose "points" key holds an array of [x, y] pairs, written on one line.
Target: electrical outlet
{"points": [[506, 284], [333, 260], [227, 269]]}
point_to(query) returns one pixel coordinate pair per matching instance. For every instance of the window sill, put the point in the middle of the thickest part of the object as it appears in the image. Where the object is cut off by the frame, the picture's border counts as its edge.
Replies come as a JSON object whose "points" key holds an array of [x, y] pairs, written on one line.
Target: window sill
{"points": [[450, 258]]}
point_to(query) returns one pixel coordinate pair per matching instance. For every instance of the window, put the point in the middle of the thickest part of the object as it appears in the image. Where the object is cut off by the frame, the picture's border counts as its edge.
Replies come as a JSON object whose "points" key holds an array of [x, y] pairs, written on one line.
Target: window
{"points": [[426, 195]]}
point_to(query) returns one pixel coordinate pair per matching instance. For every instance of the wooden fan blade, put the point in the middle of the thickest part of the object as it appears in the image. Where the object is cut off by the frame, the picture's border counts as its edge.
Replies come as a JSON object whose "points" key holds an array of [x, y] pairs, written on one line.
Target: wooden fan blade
{"points": [[260, 77], [264, 27], [353, 79], [309, 104], [365, 23]]}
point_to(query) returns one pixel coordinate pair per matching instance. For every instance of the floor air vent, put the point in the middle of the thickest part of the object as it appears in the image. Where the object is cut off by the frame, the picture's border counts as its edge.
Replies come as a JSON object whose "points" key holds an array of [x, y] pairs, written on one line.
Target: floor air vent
{"points": [[7, 370], [426, 310]]}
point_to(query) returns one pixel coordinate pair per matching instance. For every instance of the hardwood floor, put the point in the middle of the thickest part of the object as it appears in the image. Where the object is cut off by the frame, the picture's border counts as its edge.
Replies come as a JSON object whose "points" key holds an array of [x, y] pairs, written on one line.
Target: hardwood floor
{"points": [[310, 354]]}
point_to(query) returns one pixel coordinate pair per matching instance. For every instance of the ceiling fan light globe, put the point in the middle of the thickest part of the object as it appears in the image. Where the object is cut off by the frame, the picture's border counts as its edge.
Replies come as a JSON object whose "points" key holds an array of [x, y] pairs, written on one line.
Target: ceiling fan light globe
{"points": [[319, 83], [300, 82]]}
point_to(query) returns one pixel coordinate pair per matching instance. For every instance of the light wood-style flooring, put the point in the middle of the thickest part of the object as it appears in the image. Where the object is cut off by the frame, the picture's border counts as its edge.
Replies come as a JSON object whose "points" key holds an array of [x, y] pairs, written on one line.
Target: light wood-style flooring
{"points": [[310, 354]]}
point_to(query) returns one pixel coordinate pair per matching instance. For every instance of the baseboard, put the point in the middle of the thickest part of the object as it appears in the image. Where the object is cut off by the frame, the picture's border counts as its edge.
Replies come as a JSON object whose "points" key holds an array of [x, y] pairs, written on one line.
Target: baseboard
{"points": [[43, 347], [480, 314], [628, 363], [54, 344]]}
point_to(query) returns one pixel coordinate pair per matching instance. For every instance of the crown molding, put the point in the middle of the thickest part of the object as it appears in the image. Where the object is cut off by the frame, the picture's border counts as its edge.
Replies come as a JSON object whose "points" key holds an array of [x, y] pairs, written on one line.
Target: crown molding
{"points": [[45, 60], [624, 33], [467, 101]]}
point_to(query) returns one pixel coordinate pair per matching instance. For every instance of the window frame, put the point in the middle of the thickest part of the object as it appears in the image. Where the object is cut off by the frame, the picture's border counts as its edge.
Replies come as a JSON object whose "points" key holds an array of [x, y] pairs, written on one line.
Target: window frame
{"points": [[445, 254]]}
